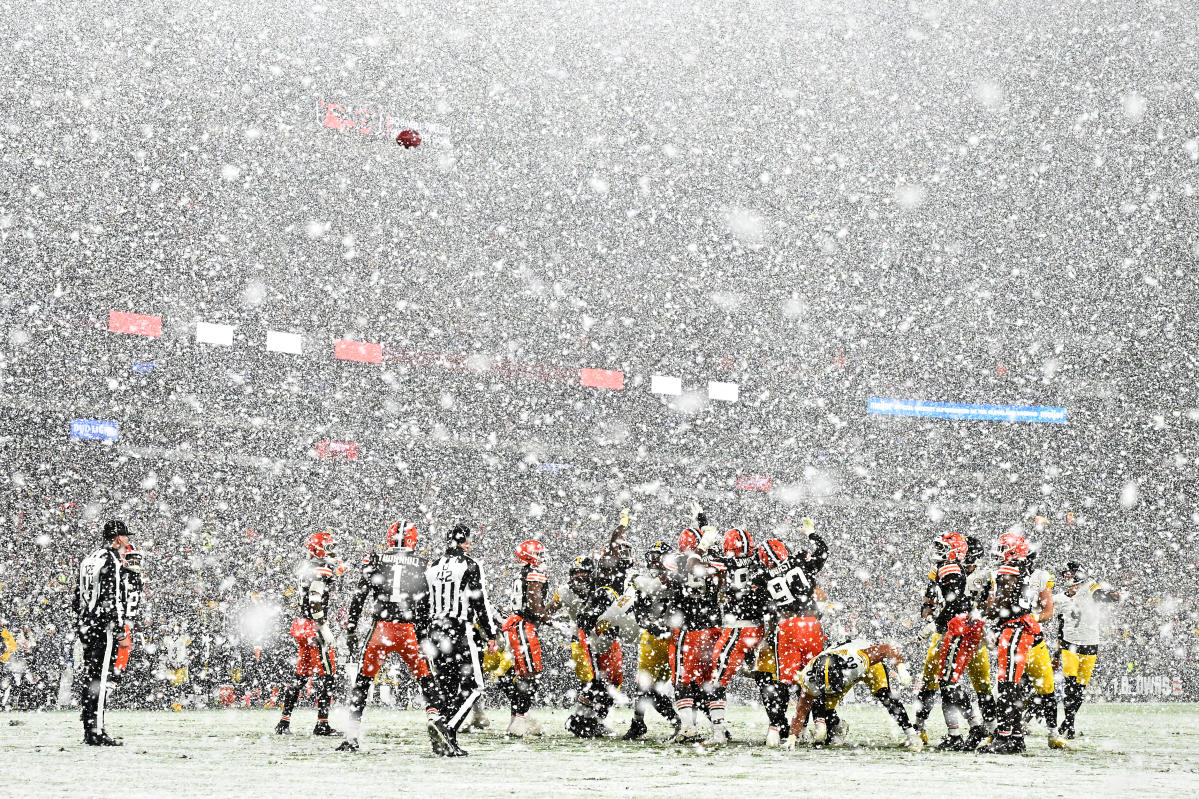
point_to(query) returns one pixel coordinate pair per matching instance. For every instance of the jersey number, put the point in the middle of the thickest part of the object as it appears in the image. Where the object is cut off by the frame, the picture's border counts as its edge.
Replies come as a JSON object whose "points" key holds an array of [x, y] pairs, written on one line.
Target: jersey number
{"points": [[780, 587]]}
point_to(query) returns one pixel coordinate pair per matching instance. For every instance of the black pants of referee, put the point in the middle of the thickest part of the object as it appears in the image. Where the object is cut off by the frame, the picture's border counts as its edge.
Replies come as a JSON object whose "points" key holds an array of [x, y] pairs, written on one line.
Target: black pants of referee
{"points": [[458, 664], [99, 654]]}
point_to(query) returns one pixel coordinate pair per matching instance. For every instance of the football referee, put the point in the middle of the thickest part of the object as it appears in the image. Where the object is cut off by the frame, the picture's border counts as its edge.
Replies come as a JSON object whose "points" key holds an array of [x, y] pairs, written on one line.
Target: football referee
{"points": [[100, 623]]}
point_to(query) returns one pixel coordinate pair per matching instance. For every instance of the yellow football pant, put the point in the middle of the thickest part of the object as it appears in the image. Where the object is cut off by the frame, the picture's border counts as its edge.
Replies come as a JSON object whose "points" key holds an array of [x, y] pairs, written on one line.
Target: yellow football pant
{"points": [[979, 668], [1039, 668], [1078, 666], [653, 660]]}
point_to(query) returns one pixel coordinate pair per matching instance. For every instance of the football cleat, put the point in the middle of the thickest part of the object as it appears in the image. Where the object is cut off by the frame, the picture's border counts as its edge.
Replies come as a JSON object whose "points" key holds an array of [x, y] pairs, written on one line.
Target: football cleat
{"points": [[912, 741], [636, 730], [439, 737], [455, 749], [323, 728], [772, 738], [719, 737], [686, 735], [534, 726], [102, 739], [819, 732], [1004, 745], [978, 735], [518, 727], [838, 733], [952, 743], [348, 745], [283, 728]]}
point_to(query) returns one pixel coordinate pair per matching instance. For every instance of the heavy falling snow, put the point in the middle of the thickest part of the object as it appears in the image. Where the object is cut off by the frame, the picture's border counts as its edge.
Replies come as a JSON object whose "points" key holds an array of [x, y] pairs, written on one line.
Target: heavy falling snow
{"points": [[855, 275]]}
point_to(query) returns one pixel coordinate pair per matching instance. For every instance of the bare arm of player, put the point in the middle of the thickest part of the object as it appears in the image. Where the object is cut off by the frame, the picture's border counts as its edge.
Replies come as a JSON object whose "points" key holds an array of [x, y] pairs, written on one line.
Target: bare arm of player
{"points": [[802, 705], [1046, 613], [881, 652]]}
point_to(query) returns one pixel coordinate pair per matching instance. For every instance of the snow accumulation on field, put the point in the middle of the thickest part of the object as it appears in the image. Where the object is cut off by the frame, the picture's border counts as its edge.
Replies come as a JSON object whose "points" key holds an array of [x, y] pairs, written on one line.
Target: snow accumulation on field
{"points": [[1146, 750]]}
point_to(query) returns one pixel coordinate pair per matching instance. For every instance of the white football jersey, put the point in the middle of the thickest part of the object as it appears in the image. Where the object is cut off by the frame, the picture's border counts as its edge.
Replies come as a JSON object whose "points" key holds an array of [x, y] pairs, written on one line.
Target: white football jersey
{"points": [[1085, 620]]}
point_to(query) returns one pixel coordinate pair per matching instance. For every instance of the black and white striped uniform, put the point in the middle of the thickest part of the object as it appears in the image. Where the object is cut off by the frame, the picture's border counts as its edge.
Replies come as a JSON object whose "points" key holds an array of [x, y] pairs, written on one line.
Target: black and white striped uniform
{"points": [[457, 603], [100, 622]]}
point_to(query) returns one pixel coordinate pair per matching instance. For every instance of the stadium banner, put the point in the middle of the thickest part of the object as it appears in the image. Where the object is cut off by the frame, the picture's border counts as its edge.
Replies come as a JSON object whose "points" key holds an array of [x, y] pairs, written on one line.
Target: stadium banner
{"points": [[135, 324], [280, 341], [754, 482], [337, 450], [724, 392], [212, 333], [602, 378], [362, 351], [665, 384], [142, 367], [965, 411], [95, 430]]}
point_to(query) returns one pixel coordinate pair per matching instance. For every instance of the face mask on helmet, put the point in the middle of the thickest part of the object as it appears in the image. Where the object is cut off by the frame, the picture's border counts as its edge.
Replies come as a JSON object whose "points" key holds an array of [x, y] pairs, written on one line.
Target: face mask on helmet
{"points": [[320, 545], [531, 553]]}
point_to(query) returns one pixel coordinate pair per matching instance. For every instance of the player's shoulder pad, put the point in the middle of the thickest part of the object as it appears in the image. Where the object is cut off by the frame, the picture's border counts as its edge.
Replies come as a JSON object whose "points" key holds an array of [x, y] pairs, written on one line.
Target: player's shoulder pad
{"points": [[932, 576]]}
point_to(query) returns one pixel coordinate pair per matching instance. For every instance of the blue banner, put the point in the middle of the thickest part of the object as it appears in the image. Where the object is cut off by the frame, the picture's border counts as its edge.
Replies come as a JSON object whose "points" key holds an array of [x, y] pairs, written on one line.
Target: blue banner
{"points": [[966, 412], [94, 430], [143, 368]]}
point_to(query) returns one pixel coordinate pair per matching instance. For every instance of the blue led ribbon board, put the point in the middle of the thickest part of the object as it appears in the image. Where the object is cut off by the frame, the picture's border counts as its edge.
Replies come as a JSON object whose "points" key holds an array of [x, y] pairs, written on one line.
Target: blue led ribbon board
{"points": [[94, 430], [964, 412]]}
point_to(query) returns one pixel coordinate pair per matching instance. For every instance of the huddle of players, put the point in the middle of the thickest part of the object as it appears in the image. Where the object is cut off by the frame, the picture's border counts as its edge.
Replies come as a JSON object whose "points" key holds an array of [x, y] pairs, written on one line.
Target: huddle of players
{"points": [[1016, 598], [699, 612]]}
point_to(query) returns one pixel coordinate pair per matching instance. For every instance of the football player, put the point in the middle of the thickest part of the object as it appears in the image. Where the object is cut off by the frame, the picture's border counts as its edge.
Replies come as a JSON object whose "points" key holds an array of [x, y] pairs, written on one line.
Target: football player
{"points": [[316, 658], [596, 652], [646, 597], [394, 582], [1012, 606], [1039, 668], [978, 588], [533, 602], [1082, 619], [832, 673], [962, 634], [132, 593], [791, 583], [696, 627], [744, 610]]}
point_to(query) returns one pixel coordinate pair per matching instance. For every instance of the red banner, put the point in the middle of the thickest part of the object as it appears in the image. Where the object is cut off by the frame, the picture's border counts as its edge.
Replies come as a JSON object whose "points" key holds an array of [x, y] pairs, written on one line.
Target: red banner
{"points": [[135, 324], [602, 378], [754, 482], [334, 450], [363, 351]]}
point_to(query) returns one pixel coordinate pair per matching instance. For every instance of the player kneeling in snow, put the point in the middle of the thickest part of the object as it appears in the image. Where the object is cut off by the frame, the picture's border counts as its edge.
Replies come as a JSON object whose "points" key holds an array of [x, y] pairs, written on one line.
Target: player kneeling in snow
{"points": [[831, 675]]}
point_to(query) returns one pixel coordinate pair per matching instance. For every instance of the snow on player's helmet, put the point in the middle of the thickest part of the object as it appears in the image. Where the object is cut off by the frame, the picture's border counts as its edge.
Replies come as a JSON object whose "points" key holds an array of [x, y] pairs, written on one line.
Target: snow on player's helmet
{"points": [[402, 534], [688, 540], [952, 547], [320, 545], [773, 553], [738, 543], [531, 553], [1011, 547]]}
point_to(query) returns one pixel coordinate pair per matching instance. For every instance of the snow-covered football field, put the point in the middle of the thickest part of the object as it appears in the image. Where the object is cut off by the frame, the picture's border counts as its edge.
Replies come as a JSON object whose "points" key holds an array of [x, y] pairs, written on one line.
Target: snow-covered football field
{"points": [[1141, 750]]}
